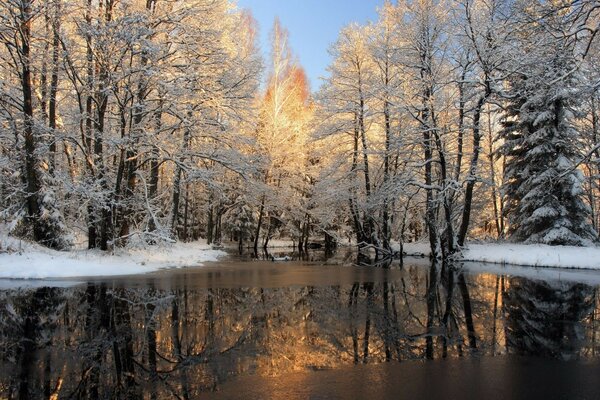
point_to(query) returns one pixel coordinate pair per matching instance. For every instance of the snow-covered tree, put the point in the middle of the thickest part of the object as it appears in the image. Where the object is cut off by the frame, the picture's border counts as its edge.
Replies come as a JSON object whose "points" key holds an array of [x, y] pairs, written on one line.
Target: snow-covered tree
{"points": [[281, 138], [28, 142], [542, 184]]}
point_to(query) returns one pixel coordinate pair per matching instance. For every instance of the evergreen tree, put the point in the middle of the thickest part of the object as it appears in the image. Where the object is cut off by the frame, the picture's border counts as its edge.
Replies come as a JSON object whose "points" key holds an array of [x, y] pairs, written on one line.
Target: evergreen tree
{"points": [[542, 186]]}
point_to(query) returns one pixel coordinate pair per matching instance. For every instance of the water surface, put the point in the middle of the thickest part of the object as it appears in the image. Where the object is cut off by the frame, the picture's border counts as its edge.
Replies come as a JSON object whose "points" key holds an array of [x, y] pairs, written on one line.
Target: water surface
{"points": [[318, 328]]}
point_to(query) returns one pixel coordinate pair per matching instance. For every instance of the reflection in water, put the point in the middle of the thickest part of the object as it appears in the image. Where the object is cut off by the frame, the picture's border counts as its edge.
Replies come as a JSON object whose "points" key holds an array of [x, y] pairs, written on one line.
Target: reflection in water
{"points": [[107, 341], [547, 318]]}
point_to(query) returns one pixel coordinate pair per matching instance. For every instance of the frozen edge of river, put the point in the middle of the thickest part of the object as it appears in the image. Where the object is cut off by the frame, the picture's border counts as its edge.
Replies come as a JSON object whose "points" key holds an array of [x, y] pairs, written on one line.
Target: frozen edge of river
{"points": [[30, 261], [533, 255]]}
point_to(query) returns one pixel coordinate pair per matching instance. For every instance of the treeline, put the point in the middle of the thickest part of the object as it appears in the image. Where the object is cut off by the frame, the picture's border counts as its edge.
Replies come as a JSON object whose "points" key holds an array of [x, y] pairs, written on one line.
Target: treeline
{"points": [[121, 119], [450, 118], [146, 120]]}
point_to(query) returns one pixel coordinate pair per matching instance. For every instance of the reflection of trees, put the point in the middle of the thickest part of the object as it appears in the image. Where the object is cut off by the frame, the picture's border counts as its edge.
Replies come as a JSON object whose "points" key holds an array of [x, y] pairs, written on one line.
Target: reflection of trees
{"points": [[150, 343], [28, 320], [546, 318]]}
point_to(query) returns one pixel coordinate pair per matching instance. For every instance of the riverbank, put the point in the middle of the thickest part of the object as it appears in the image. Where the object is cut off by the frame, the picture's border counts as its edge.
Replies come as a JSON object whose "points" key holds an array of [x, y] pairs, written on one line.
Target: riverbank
{"points": [[533, 255], [24, 260]]}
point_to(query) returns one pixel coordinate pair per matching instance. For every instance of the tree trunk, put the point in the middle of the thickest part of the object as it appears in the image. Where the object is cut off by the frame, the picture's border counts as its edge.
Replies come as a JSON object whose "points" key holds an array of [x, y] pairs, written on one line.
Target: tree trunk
{"points": [[154, 167], [53, 86], [368, 223], [177, 180], [87, 132], [386, 174], [358, 225], [472, 179], [210, 226], [446, 195], [33, 180], [258, 224], [497, 217], [186, 208]]}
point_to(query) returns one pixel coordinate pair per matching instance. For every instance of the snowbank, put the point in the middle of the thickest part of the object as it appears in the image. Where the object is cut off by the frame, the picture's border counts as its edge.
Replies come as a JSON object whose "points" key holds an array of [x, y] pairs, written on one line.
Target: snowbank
{"points": [[413, 249], [30, 261], [537, 255]]}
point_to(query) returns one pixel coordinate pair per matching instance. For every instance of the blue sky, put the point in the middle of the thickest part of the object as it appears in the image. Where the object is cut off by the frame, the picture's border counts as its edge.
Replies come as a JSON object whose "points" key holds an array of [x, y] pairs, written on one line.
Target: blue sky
{"points": [[313, 26]]}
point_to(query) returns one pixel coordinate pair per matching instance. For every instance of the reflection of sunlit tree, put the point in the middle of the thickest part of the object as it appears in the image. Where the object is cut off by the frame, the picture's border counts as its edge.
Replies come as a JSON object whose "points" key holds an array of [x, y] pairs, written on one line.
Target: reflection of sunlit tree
{"points": [[545, 318], [148, 342]]}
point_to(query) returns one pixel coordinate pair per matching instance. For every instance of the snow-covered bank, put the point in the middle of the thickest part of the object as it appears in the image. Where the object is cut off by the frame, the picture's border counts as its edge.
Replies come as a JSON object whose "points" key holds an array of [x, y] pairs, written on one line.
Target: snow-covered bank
{"points": [[30, 261], [537, 255]]}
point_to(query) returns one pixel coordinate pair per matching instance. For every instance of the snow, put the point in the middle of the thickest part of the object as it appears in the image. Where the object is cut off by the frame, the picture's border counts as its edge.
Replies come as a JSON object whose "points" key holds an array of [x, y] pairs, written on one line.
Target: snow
{"points": [[414, 249], [30, 261], [24, 260], [535, 255]]}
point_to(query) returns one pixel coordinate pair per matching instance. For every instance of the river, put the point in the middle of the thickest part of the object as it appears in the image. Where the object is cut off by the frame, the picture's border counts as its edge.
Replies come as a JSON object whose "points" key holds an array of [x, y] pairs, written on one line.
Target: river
{"points": [[318, 328]]}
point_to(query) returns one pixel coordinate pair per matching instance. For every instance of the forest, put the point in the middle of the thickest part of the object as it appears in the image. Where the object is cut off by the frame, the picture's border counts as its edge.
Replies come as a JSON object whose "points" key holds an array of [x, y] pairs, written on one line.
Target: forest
{"points": [[159, 121]]}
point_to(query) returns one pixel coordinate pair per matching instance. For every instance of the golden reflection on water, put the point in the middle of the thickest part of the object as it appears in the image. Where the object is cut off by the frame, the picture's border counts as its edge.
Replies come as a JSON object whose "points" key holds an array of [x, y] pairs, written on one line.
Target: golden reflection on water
{"points": [[131, 342]]}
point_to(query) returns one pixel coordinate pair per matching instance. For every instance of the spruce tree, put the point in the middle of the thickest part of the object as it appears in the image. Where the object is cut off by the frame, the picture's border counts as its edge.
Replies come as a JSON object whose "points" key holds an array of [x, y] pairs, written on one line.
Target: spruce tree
{"points": [[542, 188]]}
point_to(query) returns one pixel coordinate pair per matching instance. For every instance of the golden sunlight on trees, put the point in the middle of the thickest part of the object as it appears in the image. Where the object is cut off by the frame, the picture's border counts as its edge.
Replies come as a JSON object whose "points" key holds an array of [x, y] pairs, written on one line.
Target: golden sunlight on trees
{"points": [[282, 136], [133, 121]]}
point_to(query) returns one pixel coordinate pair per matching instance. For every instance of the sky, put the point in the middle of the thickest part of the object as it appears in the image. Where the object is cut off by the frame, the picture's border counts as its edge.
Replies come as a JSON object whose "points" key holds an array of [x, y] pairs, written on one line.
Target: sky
{"points": [[313, 26]]}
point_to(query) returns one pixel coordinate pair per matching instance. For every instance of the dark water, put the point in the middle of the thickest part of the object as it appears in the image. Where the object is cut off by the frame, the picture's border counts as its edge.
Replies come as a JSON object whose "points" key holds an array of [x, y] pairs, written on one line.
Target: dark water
{"points": [[311, 329]]}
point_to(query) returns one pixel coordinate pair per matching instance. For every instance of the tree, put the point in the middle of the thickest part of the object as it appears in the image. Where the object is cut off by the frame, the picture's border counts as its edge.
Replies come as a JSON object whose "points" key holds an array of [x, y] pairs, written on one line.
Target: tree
{"points": [[43, 219], [542, 185], [281, 137]]}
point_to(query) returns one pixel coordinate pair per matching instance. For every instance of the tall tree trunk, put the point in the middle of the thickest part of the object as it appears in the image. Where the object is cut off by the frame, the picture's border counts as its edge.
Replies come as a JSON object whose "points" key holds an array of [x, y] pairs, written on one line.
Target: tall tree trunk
{"points": [[87, 132], [472, 177], [154, 166], [210, 221], [186, 212], [33, 180], [358, 225], [101, 101], [261, 212], [368, 224], [446, 191], [430, 213], [595, 137], [497, 216], [386, 171], [177, 178], [426, 126], [461, 125], [137, 131], [54, 86]]}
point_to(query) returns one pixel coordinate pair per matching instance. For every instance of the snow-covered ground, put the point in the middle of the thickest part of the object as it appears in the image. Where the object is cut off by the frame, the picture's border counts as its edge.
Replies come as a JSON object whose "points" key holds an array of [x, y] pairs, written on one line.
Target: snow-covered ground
{"points": [[535, 255], [538, 255], [29, 261]]}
